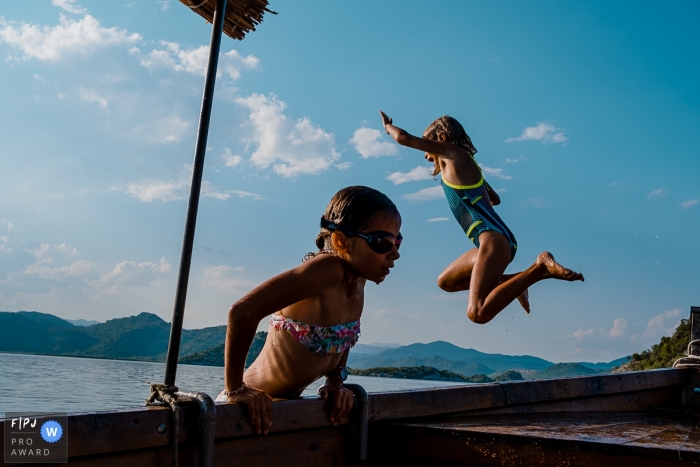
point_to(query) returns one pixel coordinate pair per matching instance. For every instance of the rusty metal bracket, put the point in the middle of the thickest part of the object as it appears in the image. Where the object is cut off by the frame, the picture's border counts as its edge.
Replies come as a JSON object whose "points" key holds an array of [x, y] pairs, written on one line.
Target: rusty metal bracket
{"points": [[362, 405], [207, 424]]}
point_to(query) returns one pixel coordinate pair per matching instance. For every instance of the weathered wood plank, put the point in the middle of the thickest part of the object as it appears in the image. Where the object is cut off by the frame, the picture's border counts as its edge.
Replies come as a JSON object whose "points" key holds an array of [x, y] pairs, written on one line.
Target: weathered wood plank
{"points": [[287, 415], [626, 402], [128, 430], [408, 404], [313, 448], [573, 439], [426, 450], [320, 447]]}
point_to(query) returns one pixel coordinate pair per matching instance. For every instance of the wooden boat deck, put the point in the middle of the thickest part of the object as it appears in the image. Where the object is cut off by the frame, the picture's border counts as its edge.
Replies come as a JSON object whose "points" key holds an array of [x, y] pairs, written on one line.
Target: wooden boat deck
{"points": [[584, 421], [567, 439]]}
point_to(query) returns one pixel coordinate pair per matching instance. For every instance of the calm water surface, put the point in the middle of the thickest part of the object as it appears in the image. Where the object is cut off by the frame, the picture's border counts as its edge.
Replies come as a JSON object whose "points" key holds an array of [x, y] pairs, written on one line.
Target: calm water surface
{"points": [[65, 384]]}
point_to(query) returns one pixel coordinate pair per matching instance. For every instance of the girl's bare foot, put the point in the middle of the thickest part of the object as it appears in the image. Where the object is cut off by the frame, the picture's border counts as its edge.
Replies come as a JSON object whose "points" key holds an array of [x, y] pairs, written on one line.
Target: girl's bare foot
{"points": [[556, 270], [524, 299]]}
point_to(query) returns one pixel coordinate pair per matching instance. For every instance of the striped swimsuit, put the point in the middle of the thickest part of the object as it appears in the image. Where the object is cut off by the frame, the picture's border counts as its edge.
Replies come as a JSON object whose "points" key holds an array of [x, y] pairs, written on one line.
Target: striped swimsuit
{"points": [[474, 212]]}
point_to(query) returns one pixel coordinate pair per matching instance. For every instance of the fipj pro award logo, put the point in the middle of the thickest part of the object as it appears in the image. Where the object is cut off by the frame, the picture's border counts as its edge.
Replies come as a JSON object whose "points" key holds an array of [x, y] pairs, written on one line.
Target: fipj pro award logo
{"points": [[35, 437]]}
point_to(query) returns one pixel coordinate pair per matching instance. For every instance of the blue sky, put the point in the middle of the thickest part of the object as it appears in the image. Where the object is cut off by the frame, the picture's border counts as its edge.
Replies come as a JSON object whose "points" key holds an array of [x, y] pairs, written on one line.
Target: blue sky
{"points": [[585, 115]]}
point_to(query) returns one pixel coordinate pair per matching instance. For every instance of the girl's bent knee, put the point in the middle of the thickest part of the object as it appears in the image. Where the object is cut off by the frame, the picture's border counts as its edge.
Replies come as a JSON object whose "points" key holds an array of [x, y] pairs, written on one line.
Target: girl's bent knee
{"points": [[475, 316], [445, 284]]}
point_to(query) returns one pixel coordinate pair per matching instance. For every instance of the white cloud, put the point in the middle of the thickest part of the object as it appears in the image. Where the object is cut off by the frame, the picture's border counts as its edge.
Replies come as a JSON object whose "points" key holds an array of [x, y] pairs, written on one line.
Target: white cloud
{"points": [[367, 143], [164, 5], [689, 203], [515, 160], [663, 324], [536, 202], [43, 253], [231, 160], [223, 278], [415, 174], [246, 194], [544, 132], [426, 194], [618, 330], [131, 273], [501, 190], [171, 190], [194, 60], [66, 248], [163, 130], [657, 193], [584, 333], [70, 37], [79, 268], [149, 190], [92, 96], [69, 6], [343, 165], [6, 239], [619, 327], [498, 173], [292, 147], [438, 219]]}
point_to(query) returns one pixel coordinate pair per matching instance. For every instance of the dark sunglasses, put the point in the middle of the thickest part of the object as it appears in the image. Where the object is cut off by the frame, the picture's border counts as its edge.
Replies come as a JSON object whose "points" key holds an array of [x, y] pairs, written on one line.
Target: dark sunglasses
{"points": [[378, 241]]}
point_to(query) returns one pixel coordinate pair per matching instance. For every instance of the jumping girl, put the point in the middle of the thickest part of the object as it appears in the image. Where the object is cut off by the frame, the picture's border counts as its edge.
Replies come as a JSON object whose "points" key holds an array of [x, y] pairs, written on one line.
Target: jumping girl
{"points": [[481, 269], [315, 309]]}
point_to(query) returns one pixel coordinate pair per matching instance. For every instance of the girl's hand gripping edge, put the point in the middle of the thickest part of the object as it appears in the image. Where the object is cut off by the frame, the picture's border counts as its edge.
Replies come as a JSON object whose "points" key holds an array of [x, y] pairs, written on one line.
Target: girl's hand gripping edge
{"points": [[258, 406], [340, 399]]}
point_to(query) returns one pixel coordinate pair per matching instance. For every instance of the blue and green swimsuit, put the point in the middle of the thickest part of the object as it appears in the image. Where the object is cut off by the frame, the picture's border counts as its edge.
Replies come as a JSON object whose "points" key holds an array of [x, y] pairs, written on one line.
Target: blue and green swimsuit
{"points": [[474, 212]]}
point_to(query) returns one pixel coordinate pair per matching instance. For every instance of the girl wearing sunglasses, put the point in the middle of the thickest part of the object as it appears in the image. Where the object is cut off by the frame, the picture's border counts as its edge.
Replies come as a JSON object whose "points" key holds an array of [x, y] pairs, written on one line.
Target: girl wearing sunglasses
{"points": [[315, 308], [480, 270]]}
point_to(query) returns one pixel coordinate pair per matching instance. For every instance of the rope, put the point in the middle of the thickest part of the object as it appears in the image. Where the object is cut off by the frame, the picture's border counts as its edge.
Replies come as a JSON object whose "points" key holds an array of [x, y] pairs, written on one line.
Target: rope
{"points": [[161, 395], [691, 361]]}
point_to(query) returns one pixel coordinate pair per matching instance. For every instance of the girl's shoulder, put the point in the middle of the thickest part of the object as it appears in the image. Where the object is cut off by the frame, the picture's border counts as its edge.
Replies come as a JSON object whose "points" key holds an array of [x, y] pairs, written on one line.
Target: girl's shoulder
{"points": [[325, 265]]}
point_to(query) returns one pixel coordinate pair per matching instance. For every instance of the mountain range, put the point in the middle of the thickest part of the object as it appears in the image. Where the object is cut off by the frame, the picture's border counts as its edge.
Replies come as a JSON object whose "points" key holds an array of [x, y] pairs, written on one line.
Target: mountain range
{"points": [[141, 337], [145, 337]]}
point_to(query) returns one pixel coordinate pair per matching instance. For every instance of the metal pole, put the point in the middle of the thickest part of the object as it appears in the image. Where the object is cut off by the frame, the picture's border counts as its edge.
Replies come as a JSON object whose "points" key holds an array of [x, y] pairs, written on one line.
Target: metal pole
{"points": [[197, 169]]}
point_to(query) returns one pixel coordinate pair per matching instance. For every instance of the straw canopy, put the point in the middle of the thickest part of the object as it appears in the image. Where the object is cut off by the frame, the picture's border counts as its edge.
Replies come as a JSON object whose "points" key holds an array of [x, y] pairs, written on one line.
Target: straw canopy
{"points": [[241, 15]]}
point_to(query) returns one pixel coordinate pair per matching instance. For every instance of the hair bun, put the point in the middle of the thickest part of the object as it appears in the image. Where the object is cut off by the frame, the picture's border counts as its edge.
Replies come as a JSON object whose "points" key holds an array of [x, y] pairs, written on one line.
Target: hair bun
{"points": [[320, 242]]}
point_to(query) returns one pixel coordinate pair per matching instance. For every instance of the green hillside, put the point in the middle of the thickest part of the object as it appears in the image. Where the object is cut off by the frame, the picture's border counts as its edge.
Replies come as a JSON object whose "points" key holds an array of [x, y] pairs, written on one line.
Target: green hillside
{"points": [[663, 354], [215, 355], [33, 332], [566, 370], [141, 337], [510, 375], [420, 372]]}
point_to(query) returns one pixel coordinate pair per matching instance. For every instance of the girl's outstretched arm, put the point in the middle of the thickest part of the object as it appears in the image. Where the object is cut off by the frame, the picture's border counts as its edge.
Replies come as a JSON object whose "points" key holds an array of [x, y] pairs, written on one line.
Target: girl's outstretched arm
{"points": [[443, 149], [290, 287]]}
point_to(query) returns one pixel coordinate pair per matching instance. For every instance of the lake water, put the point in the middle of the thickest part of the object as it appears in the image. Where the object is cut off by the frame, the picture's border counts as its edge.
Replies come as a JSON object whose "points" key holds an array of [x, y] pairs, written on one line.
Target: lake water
{"points": [[42, 383]]}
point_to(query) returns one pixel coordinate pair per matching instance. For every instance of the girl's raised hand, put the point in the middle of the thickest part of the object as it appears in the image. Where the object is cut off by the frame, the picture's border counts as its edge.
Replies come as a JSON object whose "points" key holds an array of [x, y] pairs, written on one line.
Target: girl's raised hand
{"points": [[386, 120], [340, 403], [259, 406]]}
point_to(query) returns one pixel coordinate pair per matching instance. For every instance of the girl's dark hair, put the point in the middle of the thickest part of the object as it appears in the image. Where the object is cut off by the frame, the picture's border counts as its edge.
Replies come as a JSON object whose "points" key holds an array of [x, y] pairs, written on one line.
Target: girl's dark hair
{"points": [[353, 208], [454, 131]]}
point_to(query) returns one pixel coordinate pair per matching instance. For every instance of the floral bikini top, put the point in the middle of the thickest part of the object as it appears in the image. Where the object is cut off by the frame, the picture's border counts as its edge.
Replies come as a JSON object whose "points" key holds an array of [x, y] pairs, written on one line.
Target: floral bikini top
{"points": [[321, 340]]}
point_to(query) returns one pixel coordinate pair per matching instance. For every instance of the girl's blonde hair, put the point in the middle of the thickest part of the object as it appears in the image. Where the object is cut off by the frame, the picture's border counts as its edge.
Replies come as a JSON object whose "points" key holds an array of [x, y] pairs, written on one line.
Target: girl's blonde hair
{"points": [[353, 208], [454, 133]]}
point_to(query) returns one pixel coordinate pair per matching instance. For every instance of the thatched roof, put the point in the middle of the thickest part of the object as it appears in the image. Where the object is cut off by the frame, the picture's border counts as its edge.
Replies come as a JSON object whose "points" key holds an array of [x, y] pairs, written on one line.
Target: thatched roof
{"points": [[241, 15]]}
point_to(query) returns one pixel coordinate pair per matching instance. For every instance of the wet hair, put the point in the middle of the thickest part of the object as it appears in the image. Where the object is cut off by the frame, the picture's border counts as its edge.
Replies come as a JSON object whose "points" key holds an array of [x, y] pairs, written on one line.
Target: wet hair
{"points": [[353, 208], [454, 132]]}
